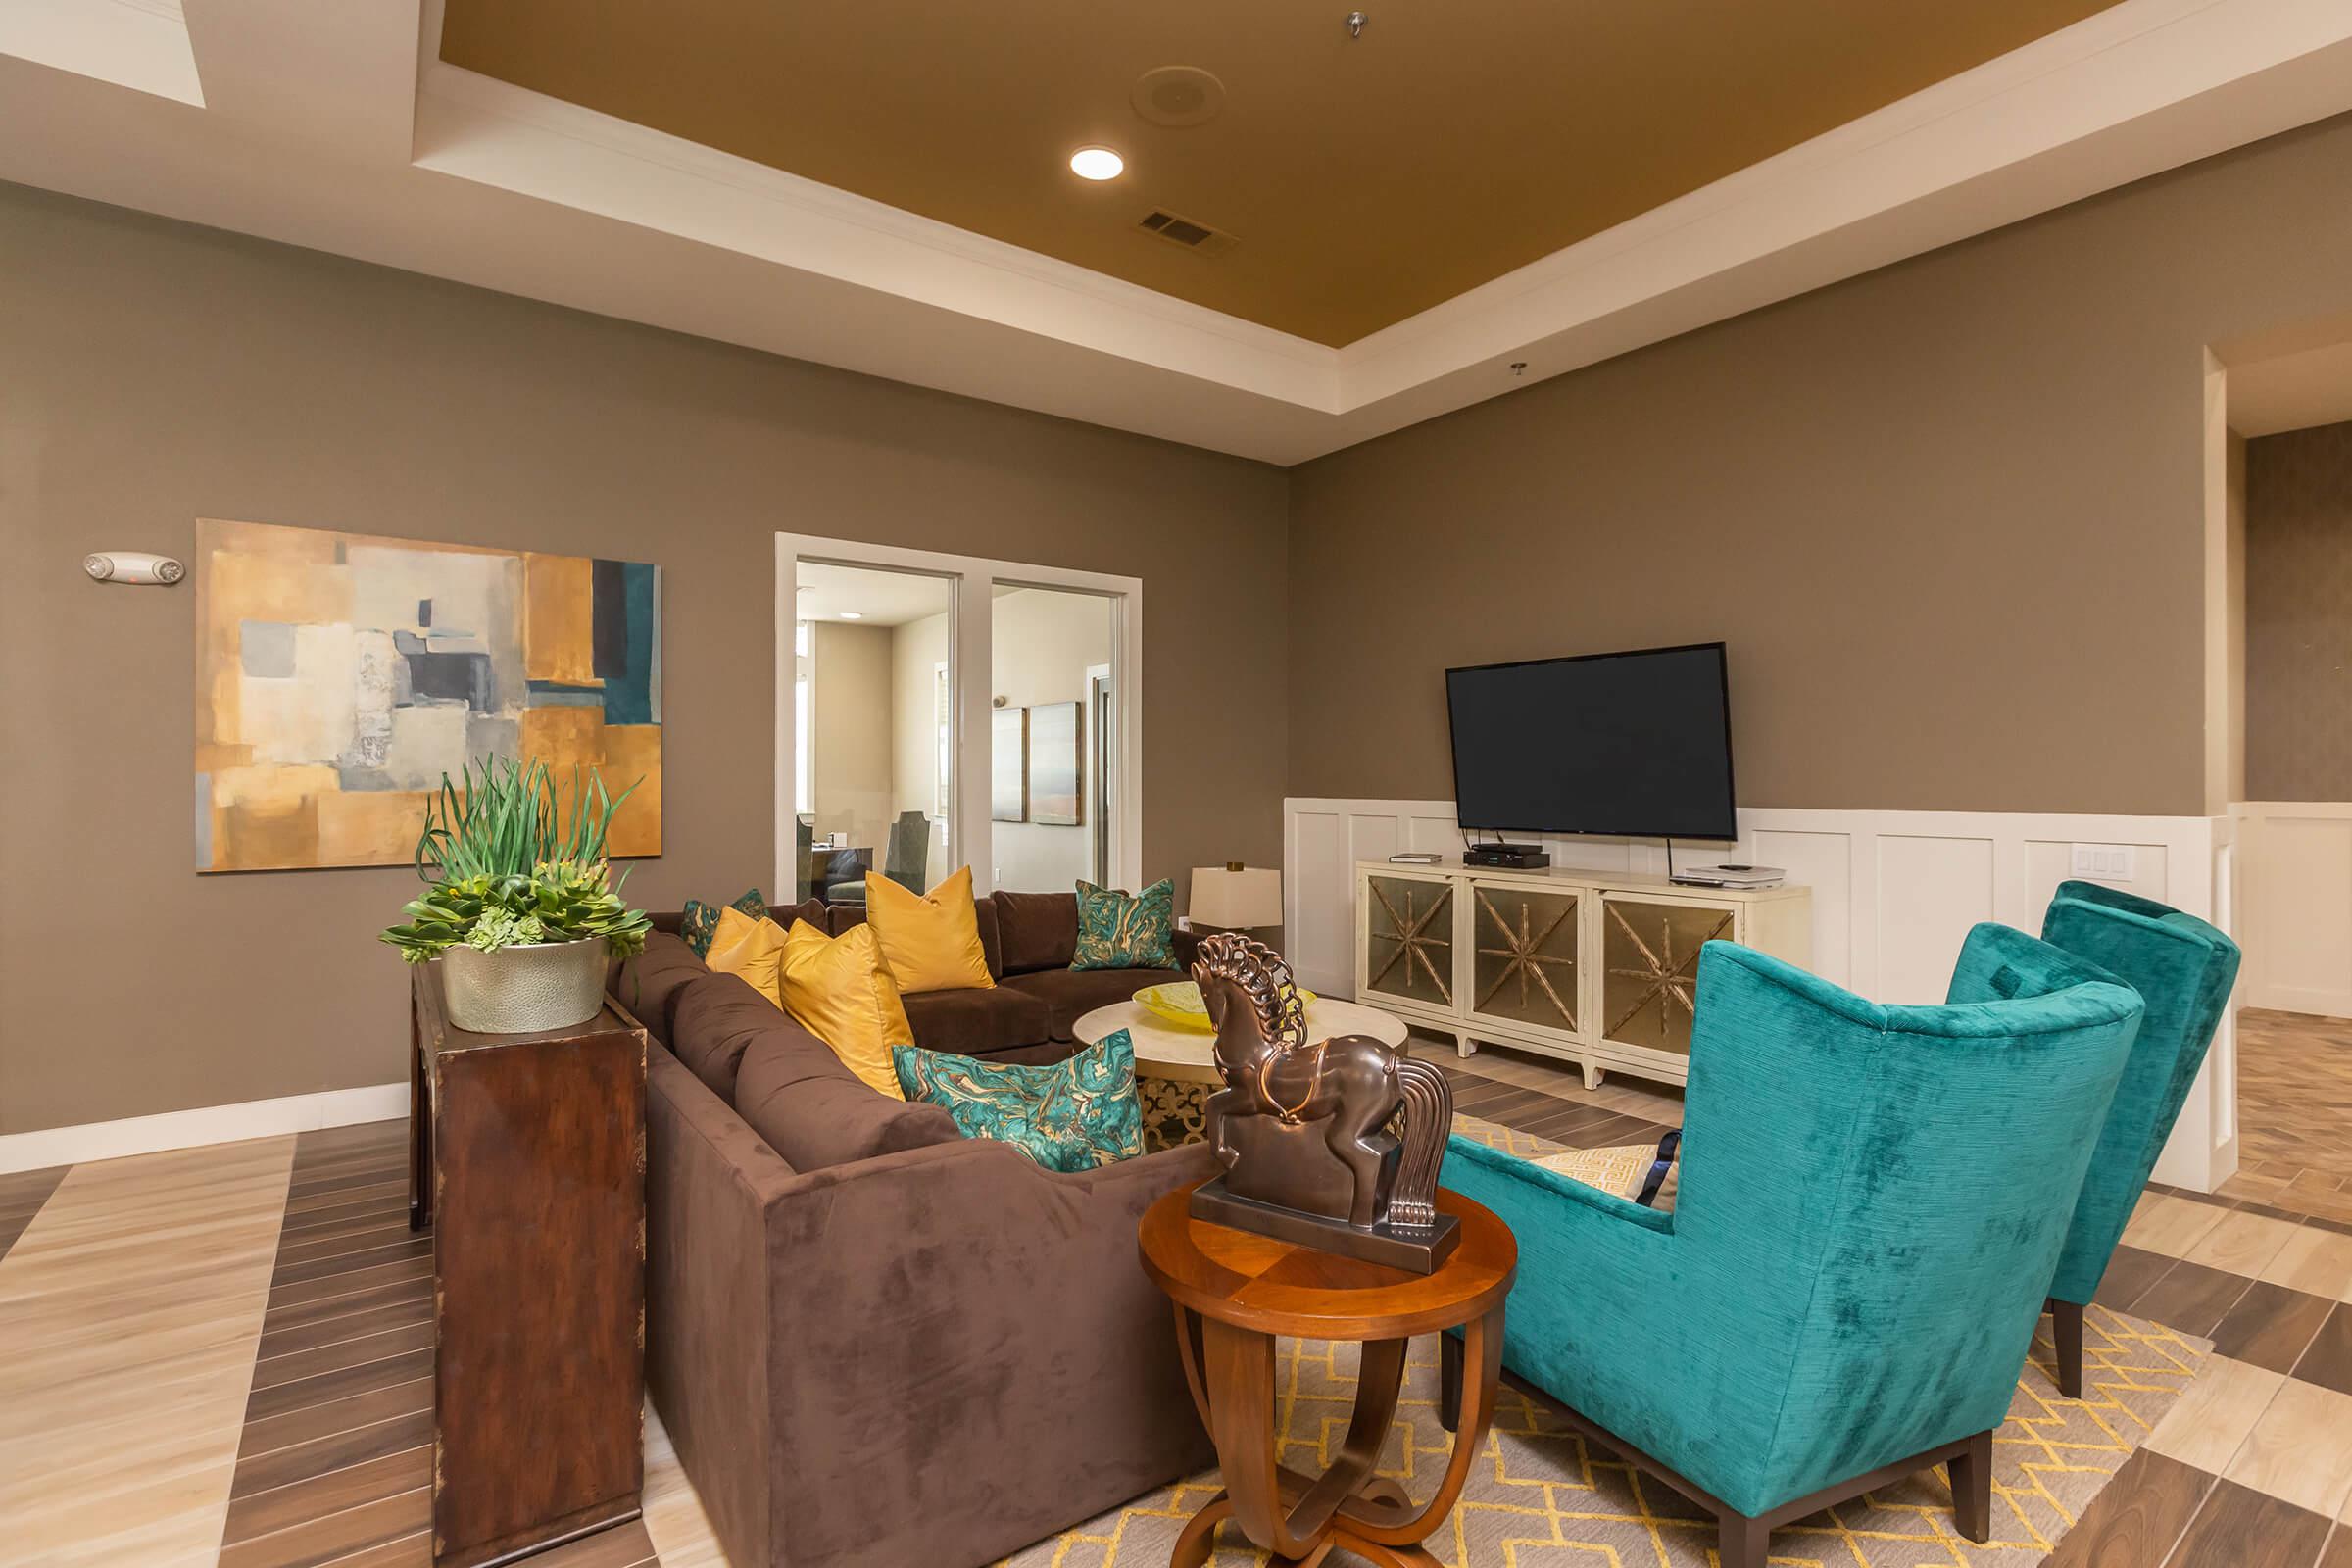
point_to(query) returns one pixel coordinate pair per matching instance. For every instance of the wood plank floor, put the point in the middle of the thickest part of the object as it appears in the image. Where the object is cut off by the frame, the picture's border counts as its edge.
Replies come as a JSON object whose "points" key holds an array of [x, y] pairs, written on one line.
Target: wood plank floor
{"points": [[2294, 1113], [335, 1462], [22, 1195], [129, 1305]]}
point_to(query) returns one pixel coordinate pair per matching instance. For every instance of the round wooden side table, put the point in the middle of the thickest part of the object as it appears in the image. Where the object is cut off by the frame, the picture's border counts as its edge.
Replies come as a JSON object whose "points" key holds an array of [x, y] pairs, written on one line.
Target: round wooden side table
{"points": [[1235, 1291]]}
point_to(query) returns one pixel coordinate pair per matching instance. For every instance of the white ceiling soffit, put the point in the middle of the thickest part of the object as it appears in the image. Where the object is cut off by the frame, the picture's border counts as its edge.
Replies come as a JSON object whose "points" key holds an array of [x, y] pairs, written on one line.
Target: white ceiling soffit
{"points": [[337, 126], [139, 44], [2292, 391]]}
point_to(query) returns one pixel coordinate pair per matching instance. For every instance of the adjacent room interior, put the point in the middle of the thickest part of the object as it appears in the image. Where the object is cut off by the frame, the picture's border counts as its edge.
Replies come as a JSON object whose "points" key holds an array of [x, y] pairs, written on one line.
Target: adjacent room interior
{"points": [[915, 786], [2289, 485]]}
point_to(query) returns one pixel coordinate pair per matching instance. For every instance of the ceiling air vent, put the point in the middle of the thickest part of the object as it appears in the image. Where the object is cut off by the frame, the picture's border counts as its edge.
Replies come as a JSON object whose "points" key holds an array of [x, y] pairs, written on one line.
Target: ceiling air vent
{"points": [[1185, 231]]}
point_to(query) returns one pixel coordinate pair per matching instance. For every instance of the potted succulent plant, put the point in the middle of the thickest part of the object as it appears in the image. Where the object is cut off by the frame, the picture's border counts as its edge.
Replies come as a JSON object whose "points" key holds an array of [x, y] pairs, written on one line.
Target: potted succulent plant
{"points": [[521, 908]]}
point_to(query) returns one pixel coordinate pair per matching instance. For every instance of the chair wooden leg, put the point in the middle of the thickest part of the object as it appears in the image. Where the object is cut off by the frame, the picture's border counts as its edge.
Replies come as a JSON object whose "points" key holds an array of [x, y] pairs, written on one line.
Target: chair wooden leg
{"points": [[1971, 1473], [1741, 1541], [1449, 1383], [2066, 1331]]}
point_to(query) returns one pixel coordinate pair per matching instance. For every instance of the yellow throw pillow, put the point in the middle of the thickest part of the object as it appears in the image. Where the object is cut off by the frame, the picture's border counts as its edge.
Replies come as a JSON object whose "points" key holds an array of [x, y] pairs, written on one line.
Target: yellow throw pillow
{"points": [[930, 941], [733, 926], [839, 990], [752, 948]]}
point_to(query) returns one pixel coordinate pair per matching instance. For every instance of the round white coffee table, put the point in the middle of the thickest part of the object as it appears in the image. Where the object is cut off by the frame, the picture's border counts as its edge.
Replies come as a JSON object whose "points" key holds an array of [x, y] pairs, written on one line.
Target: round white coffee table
{"points": [[1176, 1068]]}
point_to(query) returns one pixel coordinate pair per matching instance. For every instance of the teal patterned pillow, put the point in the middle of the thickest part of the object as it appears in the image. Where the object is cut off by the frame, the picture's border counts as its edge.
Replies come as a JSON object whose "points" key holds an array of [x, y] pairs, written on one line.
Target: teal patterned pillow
{"points": [[700, 924], [1120, 931], [1074, 1115]]}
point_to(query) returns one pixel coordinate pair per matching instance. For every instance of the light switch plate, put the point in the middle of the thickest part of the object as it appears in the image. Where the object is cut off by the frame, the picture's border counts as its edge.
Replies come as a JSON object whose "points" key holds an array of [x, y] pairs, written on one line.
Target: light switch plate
{"points": [[2107, 862]]}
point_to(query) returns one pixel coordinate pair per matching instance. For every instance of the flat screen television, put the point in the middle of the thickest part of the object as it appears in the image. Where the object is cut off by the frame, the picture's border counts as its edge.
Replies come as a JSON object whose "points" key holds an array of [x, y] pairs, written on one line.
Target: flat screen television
{"points": [[1634, 744]]}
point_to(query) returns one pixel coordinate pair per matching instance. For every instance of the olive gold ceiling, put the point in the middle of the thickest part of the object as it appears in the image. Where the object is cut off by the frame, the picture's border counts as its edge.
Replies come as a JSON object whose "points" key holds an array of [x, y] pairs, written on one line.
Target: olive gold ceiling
{"points": [[1364, 175]]}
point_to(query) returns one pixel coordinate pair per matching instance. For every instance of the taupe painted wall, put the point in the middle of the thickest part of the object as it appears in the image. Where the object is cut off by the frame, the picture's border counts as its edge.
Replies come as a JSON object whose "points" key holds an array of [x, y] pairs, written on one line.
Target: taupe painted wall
{"points": [[152, 372], [1949, 515], [2299, 615]]}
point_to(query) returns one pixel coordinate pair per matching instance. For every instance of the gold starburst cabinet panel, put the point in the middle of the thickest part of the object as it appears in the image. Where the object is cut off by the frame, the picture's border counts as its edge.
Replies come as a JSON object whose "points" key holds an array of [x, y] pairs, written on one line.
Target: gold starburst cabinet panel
{"points": [[1649, 991], [1523, 960], [1595, 968], [1410, 939]]}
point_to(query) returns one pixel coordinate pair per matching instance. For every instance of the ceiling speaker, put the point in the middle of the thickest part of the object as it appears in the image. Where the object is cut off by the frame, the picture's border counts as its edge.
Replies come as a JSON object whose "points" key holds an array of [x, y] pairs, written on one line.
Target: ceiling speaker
{"points": [[1178, 96]]}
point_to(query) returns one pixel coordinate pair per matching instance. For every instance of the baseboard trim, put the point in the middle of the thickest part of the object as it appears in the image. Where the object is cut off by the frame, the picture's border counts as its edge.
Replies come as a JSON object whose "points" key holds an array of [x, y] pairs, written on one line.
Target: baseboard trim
{"points": [[210, 1124]]}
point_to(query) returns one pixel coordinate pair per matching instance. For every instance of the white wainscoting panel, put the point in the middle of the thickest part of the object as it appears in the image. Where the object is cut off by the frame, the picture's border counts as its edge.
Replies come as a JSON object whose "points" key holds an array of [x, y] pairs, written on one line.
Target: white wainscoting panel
{"points": [[1895, 894], [1317, 851], [1930, 891], [1817, 860], [2297, 877]]}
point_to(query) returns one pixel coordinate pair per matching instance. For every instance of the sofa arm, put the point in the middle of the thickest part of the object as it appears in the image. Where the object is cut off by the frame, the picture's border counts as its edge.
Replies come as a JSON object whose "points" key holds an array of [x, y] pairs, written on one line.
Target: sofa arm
{"points": [[708, 1183], [966, 1355]]}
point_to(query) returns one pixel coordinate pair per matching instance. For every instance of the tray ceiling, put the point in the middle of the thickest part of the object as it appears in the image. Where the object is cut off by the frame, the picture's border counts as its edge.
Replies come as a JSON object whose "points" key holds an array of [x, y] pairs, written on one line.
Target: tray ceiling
{"points": [[343, 128], [1363, 180]]}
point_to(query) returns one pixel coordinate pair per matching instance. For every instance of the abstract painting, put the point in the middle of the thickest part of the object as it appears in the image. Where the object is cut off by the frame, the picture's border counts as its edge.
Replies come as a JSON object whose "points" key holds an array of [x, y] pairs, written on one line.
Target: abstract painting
{"points": [[339, 676], [1053, 765]]}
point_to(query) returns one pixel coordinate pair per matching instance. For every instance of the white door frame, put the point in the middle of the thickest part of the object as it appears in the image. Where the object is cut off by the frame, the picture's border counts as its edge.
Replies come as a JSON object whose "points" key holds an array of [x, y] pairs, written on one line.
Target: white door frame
{"points": [[970, 578], [1102, 828]]}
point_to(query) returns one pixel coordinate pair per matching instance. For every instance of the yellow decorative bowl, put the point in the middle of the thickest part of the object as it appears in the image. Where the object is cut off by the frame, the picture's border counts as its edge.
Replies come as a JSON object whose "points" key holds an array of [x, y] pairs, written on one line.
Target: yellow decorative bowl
{"points": [[1179, 1003]]}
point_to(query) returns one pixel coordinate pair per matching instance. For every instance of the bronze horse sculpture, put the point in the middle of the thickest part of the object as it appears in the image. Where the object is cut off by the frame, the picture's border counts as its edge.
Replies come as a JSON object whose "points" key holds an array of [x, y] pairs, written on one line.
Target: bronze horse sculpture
{"points": [[1302, 1128]]}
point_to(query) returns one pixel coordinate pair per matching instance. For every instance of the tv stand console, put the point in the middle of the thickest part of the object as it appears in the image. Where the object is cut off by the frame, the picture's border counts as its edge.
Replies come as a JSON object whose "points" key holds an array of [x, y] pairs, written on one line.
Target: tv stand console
{"points": [[1595, 968]]}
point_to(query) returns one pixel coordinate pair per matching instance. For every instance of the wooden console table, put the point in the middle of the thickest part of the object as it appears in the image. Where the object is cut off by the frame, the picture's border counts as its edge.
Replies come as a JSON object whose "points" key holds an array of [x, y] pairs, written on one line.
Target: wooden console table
{"points": [[1599, 967], [1235, 1291], [527, 1159]]}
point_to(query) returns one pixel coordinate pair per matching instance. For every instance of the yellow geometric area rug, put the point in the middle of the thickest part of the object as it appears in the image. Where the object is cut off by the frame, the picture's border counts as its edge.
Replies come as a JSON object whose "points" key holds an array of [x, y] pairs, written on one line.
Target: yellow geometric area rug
{"points": [[1545, 1498]]}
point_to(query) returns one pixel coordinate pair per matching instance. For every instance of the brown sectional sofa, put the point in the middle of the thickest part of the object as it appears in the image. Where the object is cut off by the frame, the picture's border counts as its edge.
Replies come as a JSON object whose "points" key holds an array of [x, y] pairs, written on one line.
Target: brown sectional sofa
{"points": [[875, 1340]]}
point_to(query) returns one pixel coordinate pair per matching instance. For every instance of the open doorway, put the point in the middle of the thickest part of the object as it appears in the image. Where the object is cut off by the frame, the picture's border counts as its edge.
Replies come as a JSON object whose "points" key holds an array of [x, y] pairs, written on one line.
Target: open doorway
{"points": [[940, 710], [873, 682], [2288, 492]]}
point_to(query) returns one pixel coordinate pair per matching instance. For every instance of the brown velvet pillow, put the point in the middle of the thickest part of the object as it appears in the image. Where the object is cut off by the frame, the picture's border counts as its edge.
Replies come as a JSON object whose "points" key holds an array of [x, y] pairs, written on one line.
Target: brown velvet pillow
{"points": [[815, 1112], [992, 941], [712, 1022], [1037, 930], [811, 911], [649, 983]]}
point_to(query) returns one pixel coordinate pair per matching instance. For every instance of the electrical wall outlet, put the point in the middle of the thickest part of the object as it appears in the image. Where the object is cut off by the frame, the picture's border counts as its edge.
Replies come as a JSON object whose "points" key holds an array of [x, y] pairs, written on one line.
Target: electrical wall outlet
{"points": [[2107, 862]]}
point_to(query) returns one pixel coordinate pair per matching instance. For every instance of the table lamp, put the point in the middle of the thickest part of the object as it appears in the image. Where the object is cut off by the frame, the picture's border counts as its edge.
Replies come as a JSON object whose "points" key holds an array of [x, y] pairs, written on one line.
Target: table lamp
{"points": [[1233, 897]]}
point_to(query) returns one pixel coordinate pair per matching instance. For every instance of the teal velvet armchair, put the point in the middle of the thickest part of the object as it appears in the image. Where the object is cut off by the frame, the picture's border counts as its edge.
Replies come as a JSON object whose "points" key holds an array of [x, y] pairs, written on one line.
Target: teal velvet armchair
{"points": [[2183, 970], [1873, 1199]]}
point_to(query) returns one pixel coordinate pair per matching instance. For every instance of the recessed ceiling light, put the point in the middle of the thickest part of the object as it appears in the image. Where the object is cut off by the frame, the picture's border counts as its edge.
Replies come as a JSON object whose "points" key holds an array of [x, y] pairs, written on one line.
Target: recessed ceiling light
{"points": [[1097, 163], [853, 615]]}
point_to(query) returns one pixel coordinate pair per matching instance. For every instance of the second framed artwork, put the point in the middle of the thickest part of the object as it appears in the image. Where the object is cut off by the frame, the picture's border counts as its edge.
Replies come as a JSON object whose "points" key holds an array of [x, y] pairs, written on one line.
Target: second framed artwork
{"points": [[1009, 765], [1056, 770]]}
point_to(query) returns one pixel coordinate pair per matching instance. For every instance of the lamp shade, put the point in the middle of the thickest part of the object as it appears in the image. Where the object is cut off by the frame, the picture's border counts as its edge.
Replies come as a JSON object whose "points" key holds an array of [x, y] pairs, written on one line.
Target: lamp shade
{"points": [[1236, 898]]}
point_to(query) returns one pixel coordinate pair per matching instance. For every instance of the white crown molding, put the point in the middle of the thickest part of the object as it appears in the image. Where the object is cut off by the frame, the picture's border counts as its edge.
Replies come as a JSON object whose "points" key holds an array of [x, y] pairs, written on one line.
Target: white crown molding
{"points": [[338, 127], [212, 1124]]}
